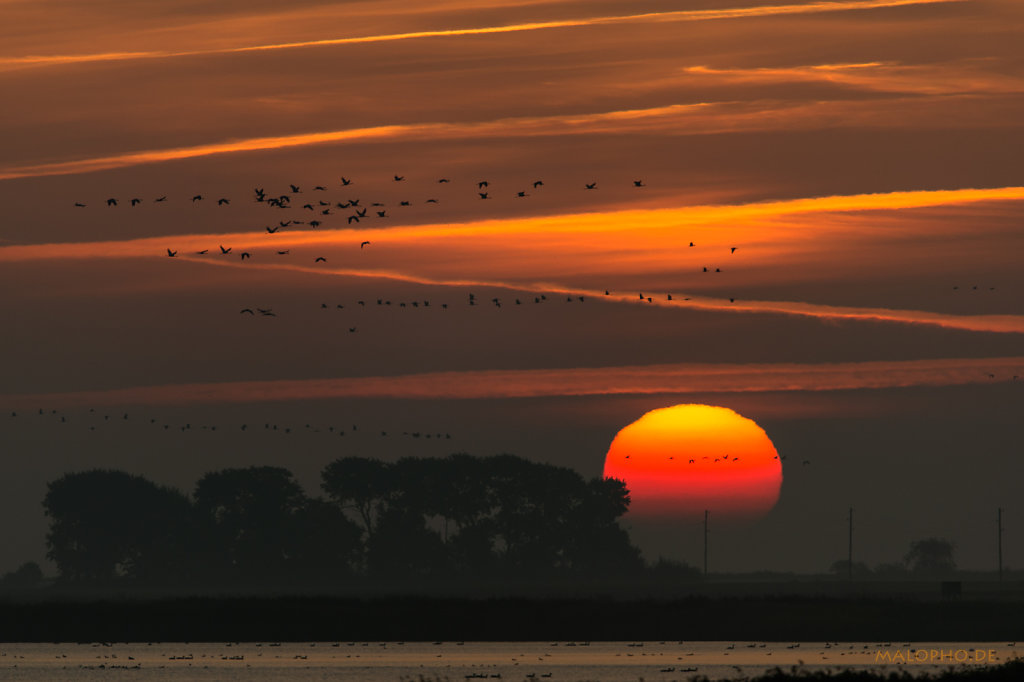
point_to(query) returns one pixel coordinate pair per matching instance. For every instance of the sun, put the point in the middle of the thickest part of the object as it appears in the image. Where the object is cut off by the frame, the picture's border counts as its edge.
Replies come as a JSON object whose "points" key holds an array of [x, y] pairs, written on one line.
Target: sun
{"points": [[680, 461]]}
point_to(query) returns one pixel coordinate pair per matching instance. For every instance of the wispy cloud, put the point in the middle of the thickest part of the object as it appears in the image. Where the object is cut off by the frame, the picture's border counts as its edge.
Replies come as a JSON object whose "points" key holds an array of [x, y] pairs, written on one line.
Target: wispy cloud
{"points": [[676, 119], [679, 15], [520, 254], [539, 383]]}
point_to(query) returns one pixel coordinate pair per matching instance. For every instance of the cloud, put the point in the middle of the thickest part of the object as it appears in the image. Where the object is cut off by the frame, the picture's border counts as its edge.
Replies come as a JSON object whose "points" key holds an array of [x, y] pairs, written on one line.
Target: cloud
{"points": [[678, 15], [521, 254], [539, 383]]}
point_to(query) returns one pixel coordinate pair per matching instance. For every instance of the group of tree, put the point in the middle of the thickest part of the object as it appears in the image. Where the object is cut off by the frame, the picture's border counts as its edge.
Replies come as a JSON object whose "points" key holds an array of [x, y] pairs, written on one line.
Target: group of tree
{"points": [[456, 517], [930, 557]]}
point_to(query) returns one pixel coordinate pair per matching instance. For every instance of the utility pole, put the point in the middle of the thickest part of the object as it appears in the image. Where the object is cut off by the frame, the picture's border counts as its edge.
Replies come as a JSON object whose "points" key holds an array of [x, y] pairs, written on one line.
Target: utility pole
{"points": [[849, 556], [999, 525], [707, 513]]}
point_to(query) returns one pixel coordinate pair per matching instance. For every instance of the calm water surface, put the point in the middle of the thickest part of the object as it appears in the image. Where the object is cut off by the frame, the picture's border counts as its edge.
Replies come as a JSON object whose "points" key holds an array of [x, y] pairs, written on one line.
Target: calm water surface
{"points": [[458, 662]]}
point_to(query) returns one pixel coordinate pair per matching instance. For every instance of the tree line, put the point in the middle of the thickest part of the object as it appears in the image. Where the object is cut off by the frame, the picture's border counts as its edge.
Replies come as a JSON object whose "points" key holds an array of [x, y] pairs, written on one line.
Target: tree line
{"points": [[455, 517]]}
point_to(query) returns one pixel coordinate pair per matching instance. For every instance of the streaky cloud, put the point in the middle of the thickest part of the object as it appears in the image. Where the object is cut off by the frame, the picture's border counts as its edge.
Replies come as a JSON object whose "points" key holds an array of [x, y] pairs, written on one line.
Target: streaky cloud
{"points": [[676, 15], [579, 381]]}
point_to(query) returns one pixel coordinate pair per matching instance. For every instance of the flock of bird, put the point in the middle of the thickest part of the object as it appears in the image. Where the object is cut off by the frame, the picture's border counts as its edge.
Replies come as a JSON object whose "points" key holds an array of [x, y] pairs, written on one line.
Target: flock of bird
{"points": [[322, 209], [93, 421]]}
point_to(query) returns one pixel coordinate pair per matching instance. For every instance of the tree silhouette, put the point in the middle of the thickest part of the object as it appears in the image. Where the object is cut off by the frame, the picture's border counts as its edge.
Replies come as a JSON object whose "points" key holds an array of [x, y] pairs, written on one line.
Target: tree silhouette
{"points": [[362, 485], [932, 556], [105, 524], [251, 518], [29, 574]]}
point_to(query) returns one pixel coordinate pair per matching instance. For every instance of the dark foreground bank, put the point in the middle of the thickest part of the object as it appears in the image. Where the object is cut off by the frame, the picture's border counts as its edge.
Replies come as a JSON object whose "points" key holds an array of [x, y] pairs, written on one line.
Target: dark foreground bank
{"points": [[1008, 672], [293, 618]]}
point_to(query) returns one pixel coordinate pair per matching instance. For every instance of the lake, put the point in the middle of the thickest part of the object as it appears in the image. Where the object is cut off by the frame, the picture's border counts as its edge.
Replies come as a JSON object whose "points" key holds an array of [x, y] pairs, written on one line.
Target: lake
{"points": [[461, 661]]}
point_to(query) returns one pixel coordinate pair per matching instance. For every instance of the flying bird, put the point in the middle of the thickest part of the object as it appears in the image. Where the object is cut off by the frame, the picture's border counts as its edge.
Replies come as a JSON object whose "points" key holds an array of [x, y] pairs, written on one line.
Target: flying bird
{"points": [[246, 254], [732, 250], [639, 183], [483, 195], [246, 310], [399, 178], [444, 180], [160, 199], [223, 250], [482, 184], [136, 202], [353, 218], [202, 252], [295, 189], [363, 244], [345, 181], [111, 202], [538, 183], [272, 230], [283, 253], [171, 254], [591, 185], [222, 202], [198, 197], [320, 259], [79, 204]]}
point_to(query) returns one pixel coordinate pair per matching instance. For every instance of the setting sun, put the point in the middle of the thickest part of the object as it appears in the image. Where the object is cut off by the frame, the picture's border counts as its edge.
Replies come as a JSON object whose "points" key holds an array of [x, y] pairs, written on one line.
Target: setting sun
{"points": [[682, 460]]}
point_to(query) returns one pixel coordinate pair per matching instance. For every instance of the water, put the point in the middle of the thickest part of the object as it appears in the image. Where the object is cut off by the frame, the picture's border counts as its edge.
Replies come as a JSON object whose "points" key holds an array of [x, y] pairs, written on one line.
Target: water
{"points": [[469, 661]]}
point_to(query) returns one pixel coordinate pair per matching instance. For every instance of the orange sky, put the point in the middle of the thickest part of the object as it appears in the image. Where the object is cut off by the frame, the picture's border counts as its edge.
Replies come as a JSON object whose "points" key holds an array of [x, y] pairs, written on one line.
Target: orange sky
{"points": [[862, 156]]}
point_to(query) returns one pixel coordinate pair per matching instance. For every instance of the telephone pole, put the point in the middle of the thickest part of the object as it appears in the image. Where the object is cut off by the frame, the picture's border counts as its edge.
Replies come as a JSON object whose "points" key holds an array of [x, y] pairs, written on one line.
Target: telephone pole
{"points": [[849, 556], [707, 513], [999, 525]]}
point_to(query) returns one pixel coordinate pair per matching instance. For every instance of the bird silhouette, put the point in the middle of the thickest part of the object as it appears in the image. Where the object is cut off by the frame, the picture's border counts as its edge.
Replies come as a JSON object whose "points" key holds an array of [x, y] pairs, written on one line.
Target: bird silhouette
{"points": [[444, 180], [431, 201], [79, 204], [732, 249], [482, 184], [638, 183], [283, 253], [520, 194], [319, 188], [295, 189], [320, 259], [315, 224], [246, 254], [111, 202], [223, 202], [399, 178], [353, 218], [198, 197], [363, 244], [272, 230], [160, 199], [345, 181], [382, 214], [223, 250], [591, 185], [136, 202], [483, 195], [246, 310], [171, 254], [202, 252], [538, 183]]}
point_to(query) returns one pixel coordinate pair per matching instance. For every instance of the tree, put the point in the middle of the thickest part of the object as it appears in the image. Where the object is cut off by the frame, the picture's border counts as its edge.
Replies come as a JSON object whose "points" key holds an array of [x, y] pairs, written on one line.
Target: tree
{"points": [[252, 520], [362, 485], [27, 575], [105, 524], [931, 556]]}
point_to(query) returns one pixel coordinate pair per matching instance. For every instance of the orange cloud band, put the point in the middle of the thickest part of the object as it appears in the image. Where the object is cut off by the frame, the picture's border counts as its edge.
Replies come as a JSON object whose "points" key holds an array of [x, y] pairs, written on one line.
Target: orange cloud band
{"points": [[679, 15], [539, 383]]}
